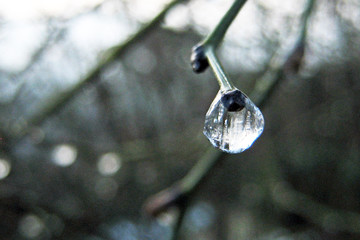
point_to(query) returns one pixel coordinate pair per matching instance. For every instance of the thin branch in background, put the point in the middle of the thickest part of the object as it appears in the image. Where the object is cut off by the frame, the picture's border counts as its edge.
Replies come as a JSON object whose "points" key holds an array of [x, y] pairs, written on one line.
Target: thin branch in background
{"points": [[288, 199], [53, 37], [181, 191], [280, 67], [55, 104], [178, 221], [105, 106], [55, 34]]}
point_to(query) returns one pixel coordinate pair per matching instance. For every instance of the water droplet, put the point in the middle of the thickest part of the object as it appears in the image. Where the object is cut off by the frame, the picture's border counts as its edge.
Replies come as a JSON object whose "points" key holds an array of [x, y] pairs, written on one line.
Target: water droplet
{"points": [[233, 130]]}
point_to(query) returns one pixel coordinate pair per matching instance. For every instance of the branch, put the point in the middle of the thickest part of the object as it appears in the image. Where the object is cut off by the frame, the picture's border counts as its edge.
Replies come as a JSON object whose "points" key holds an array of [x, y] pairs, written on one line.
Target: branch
{"points": [[203, 54], [217, 35], [184, 190], [280, 67], [181, 191], [319, 214]]}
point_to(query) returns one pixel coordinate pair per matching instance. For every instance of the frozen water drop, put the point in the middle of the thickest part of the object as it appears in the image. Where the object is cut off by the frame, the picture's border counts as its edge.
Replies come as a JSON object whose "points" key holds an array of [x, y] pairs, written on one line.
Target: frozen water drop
{"points": [[233, 122]]}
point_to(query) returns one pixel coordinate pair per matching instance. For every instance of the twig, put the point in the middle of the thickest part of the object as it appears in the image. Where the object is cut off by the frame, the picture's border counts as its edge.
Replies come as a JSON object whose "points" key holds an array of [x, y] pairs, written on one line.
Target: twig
{"points": [[203, 54], [217, 35], [280, 67], [181, 191], [178, 221]]}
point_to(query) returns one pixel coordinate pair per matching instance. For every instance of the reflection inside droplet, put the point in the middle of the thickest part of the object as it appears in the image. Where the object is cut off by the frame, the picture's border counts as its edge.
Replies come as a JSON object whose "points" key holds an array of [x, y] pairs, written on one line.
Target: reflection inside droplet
{"points": [[64, 155], [5, 168], [233, 127]]}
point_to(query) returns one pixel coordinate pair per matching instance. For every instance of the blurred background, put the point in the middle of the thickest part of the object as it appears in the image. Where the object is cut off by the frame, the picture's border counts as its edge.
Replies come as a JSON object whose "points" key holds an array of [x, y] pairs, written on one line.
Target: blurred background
{"points": [[79, 155]]}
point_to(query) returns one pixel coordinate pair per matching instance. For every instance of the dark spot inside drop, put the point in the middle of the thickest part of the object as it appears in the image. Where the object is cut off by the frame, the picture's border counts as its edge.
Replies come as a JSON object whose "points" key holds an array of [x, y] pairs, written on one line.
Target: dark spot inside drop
{"points": [[199, 60], [233, 101]]}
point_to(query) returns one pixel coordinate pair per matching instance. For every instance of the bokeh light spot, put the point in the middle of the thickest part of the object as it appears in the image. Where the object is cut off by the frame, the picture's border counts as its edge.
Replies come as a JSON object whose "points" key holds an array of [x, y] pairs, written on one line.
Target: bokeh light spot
{"points": [[109, 164], [5, 168], [31, 226], [64, 155]]}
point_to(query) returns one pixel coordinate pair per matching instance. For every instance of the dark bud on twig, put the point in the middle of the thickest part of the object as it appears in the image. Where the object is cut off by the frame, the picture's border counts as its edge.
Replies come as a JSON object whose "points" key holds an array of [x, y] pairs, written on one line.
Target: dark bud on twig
{"points": [[198, 58], [233, 101]]}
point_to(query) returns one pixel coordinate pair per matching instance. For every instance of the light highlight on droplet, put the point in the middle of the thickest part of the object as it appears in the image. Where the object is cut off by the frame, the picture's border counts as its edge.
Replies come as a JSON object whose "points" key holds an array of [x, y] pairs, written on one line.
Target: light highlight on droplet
{"points": [[5, 168], [109, 164], [64, 155]]}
